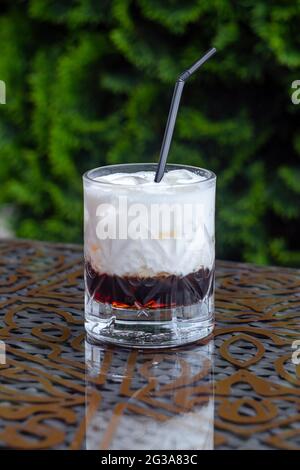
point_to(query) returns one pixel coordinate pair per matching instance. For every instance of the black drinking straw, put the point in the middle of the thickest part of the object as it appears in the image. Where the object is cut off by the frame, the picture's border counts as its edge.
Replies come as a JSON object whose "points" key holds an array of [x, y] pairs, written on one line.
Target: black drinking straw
{"points": [[165, 147]]}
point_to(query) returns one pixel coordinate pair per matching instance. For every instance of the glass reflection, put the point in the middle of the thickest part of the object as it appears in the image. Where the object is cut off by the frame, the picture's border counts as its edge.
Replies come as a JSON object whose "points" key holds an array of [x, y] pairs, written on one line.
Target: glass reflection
{"points": [[149, 400]]}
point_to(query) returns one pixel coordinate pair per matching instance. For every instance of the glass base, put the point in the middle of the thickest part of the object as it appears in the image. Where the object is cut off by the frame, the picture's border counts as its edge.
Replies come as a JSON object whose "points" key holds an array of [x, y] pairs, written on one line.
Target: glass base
{"points": [[149, 328]]}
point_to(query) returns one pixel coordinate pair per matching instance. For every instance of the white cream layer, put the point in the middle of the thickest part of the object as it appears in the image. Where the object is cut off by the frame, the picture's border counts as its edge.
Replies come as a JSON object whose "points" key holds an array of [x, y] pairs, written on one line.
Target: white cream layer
{"points": [[150, 257]]}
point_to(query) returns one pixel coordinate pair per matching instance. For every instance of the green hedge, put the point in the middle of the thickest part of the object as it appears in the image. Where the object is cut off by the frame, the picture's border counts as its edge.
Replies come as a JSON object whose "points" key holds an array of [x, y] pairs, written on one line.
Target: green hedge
{"points": [[89, 82]]}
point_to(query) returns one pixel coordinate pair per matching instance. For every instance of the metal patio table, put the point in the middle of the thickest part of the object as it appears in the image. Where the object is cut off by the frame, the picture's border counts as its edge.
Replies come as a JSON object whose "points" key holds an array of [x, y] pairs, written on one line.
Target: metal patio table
{"points": [[239, 389]]}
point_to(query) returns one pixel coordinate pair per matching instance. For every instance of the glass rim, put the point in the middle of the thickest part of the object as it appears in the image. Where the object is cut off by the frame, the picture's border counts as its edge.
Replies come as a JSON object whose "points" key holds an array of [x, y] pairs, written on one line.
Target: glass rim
{"points": [[211, 176]]}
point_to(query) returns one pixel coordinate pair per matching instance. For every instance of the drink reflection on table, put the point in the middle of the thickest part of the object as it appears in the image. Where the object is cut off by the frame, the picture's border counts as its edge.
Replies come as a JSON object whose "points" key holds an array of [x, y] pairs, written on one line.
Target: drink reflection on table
{"points": [[149, 400]]}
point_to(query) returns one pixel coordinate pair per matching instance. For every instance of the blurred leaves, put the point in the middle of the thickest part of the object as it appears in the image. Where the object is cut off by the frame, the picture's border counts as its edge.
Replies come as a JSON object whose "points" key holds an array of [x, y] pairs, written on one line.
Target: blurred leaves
{"points": [[89, 83]]}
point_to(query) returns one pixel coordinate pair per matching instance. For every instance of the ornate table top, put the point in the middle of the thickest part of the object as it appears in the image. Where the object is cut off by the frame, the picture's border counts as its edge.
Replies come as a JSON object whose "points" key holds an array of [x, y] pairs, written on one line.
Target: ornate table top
{"points": [[240, 389]]}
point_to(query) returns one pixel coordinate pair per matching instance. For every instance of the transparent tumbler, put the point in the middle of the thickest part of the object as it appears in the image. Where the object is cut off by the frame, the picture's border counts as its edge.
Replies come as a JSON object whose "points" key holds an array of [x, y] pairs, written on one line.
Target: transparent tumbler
{"points": [[149, 253]]}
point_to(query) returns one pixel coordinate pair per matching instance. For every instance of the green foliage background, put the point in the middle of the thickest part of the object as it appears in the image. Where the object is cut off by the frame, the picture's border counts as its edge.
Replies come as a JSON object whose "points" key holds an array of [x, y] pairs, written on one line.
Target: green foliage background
{"points": [[89, 82]]}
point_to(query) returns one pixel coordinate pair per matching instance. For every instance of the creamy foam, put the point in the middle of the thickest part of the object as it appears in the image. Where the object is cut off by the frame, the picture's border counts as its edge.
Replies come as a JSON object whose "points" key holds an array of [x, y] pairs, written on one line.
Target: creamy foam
{"points": [[146, 178], [150, 257]]}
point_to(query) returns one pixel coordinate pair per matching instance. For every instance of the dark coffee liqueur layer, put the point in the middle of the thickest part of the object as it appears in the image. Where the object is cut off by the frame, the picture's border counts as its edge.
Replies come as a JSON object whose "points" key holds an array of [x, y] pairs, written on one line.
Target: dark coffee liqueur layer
{"points": [[149, 292]]}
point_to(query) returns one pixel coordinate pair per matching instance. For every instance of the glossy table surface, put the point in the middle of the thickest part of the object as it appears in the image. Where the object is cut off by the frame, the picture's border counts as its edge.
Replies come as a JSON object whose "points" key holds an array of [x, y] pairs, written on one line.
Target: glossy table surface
{"points": [[239, 390]]}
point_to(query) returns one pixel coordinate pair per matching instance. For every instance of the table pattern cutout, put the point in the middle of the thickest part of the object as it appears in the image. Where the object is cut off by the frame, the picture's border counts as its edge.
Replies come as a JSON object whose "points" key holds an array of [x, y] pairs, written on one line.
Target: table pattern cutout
{"points": [[238, 390]]}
